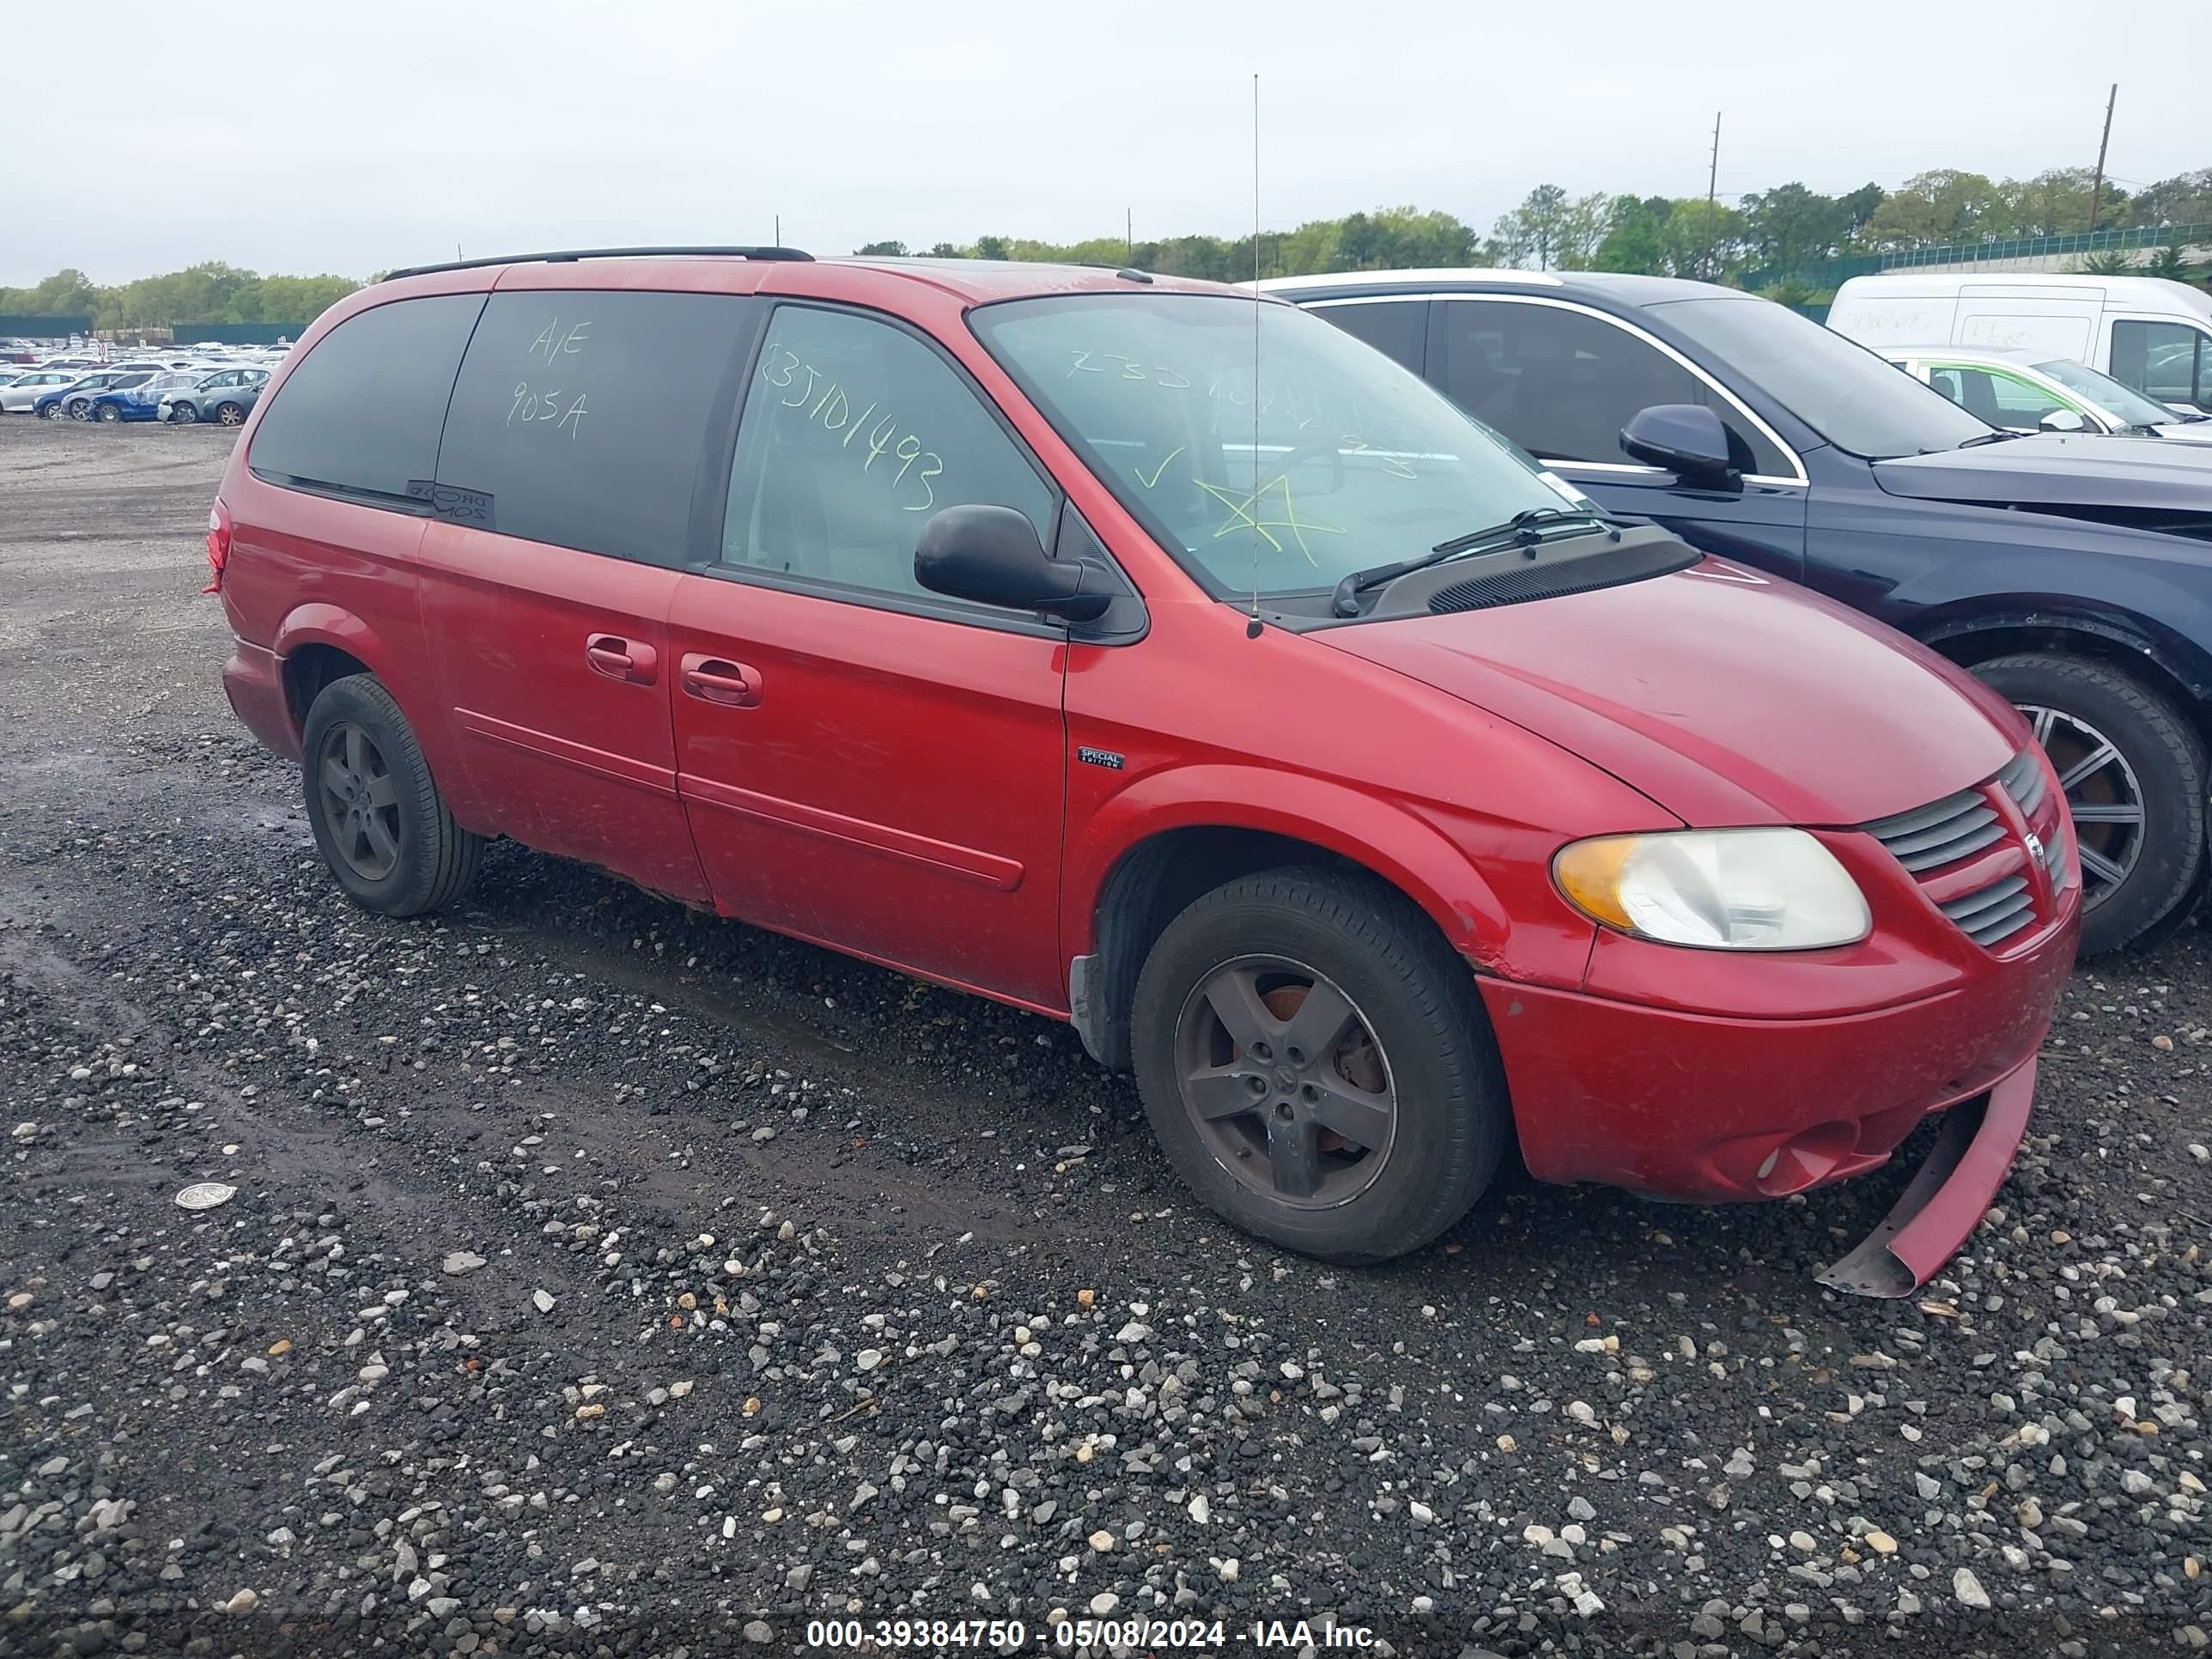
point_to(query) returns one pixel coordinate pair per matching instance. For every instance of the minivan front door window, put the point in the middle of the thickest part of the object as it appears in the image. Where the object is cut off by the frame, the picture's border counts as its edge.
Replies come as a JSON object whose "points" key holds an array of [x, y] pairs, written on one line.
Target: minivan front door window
{"points": [[855, 434]]}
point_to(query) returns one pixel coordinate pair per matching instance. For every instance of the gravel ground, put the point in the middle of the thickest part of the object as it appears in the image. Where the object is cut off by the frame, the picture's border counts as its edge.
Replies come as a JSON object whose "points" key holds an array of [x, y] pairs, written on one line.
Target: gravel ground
{"points": [[601, 1278]]}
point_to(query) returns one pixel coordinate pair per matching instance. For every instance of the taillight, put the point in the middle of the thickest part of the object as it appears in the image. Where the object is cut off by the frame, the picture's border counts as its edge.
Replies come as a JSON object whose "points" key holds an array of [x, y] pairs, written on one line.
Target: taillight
{"points": [[218, 546]]}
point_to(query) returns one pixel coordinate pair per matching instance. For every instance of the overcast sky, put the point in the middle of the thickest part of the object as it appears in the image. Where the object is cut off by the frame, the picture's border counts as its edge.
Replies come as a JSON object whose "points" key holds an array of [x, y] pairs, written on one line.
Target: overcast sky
{"points": [[305, 136]]}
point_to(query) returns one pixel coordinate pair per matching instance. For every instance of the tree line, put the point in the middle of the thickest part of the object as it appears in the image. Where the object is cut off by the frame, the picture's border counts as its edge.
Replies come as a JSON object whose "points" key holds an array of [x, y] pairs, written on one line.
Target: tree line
{"points": [[209, 293], [1780, 230], [1768, 234]]}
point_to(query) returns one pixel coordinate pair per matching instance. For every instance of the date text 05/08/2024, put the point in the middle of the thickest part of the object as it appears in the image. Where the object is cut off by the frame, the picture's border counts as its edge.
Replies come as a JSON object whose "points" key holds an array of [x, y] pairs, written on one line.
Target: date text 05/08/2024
{"points": [[933, 1635]]}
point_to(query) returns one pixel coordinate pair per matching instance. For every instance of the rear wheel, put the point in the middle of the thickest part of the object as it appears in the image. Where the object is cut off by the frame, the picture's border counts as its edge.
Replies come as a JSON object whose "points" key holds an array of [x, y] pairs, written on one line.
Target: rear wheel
{"points": [[1318, 1066], [229, 414], [378, 817], [79, 409], [2134, 773]]}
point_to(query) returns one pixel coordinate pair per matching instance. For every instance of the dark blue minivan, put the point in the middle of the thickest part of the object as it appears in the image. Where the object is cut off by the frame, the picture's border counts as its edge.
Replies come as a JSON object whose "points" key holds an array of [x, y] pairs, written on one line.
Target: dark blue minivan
{"points": [[2073, 573]]}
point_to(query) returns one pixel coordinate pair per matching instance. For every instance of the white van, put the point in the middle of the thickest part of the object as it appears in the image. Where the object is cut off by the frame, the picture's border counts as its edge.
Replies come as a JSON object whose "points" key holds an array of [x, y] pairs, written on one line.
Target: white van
{"points": [[2144, 332]]}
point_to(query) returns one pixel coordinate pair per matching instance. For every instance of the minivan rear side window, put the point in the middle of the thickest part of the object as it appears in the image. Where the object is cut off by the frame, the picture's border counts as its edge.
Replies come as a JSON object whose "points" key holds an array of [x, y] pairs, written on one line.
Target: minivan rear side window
{"points": [[359, 416], [581, 416]]}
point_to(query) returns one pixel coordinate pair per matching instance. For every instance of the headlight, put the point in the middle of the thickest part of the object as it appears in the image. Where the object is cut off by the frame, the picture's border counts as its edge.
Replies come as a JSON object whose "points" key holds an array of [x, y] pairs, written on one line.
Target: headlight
{"points": [[1725, 889]]}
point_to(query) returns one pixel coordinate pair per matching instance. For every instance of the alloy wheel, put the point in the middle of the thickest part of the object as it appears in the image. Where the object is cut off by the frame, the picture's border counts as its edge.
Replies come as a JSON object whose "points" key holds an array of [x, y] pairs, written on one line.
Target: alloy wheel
{"points": [[360, 801], [2103, 796], [231, 415], [1285, 1082]]}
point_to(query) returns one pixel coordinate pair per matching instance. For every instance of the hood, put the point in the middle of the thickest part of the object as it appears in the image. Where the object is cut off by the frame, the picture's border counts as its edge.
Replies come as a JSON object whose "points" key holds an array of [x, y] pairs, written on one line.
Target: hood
{"points": [[2184, 432], [2060, 470], [1726, 697]]}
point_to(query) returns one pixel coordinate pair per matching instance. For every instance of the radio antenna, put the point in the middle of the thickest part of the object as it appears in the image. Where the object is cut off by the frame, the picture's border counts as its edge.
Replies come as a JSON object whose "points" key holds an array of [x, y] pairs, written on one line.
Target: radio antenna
{"points": [[1252, 626]]}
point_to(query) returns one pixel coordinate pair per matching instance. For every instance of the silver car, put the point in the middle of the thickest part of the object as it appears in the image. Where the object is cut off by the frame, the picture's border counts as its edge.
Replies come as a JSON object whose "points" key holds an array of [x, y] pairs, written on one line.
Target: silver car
{"points": [[223, 398], [33, 384]]}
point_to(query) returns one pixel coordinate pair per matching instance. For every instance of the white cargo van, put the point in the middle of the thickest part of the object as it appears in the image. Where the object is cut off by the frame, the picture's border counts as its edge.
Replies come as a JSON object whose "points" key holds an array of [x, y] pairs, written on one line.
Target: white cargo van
{"points": [[2144, 332]]}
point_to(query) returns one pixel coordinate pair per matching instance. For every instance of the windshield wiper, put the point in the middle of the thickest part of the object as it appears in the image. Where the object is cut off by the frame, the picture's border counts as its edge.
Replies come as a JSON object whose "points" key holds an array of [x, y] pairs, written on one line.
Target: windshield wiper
{"points": [[1524, 529], [1996, 437]]}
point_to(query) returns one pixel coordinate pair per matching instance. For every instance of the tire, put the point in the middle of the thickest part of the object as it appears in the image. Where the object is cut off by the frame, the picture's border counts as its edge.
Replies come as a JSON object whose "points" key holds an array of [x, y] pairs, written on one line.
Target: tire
{"points": [[229, 415], [415, 858], [1416, 1027], [56, 411], [183, 413], [2074, 701], [79, 408], [108, 413]]}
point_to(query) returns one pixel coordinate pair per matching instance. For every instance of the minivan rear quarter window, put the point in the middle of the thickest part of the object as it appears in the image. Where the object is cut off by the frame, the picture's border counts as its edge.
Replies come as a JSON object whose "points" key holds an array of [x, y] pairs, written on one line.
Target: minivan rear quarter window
{"points": [[360, 414], [581, 416]]}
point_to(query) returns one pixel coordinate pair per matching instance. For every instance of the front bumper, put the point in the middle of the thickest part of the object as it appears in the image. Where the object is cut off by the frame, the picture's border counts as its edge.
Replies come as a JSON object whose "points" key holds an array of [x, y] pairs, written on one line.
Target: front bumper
{"points": [[1950, 1193], [1710, 1108]]}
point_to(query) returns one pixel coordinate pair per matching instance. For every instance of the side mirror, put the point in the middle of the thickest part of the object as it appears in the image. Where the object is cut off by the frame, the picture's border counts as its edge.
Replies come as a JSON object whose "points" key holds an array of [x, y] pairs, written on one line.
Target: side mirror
{"points": [[2063, 420], [992, 556], [1687, 438]]}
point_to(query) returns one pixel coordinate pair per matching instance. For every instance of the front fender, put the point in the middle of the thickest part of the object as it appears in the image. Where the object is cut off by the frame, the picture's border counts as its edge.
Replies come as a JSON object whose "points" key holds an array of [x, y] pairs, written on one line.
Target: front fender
{"points": [[1384, 836]]}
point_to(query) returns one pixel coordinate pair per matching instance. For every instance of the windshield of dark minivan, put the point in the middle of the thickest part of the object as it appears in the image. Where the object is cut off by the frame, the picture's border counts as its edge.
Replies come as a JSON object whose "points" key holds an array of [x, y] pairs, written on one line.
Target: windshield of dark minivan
{"points": [[1856, 400], [1357, 462]]}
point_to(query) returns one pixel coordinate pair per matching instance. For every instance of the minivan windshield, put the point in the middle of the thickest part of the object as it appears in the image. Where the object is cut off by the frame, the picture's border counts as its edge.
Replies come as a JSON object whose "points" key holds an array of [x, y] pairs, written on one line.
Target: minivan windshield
{"points": [[1353, 461], [2121, 403], [1857, 401]]}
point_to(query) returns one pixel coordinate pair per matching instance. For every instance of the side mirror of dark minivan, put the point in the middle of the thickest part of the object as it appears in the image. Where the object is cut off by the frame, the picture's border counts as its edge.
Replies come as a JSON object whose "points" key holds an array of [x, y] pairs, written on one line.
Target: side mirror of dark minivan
{"points": [[992, 556], [1687, 438]]}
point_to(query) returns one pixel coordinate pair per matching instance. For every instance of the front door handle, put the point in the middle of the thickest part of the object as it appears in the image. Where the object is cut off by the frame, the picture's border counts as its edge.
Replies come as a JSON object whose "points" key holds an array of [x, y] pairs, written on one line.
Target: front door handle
{"points": [[619, 658], [717, 679]]}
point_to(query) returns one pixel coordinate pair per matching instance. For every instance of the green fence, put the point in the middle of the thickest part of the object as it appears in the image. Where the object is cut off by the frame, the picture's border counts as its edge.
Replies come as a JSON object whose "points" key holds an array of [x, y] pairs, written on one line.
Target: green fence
{"points": [[42, 328], [235, 333], [1831, 273]]}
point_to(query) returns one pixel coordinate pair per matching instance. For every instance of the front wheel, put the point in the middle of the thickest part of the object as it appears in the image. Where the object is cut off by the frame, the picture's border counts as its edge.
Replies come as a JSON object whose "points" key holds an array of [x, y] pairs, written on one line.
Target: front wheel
{"points": [[2134, 774], [1316, 1064], [108, 414], [55, 411], [79, 410], [378, 817], [183, 413]]}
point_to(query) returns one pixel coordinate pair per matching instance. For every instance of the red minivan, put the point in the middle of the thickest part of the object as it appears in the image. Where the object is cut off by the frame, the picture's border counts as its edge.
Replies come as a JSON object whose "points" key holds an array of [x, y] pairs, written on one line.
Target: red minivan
{"points": [[1170, 662]]}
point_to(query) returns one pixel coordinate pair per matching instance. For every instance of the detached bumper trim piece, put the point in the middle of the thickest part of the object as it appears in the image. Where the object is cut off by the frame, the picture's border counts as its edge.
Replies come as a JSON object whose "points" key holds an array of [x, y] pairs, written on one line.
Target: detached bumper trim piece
{"points": [[1948, 1196]]}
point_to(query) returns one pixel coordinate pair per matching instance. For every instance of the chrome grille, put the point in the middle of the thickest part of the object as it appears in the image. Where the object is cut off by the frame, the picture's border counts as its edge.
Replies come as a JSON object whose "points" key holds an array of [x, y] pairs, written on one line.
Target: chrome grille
{"points": [[1931, 837]]}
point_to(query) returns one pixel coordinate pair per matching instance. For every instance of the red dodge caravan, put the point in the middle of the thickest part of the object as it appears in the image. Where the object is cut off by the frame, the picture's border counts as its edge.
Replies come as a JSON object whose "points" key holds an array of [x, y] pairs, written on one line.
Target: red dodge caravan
{"points": [[1167, 661]]}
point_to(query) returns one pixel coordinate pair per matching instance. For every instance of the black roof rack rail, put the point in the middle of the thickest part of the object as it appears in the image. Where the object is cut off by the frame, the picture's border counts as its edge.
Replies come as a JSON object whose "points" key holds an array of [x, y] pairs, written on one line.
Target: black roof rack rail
{"points": [[564, 255]]}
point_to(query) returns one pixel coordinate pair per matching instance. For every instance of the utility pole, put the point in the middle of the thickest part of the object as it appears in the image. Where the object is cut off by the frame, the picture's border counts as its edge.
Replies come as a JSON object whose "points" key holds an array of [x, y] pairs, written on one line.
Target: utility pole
{"points": [[2097, 191], [778, 230], [1129, 233], [1713, 177]]}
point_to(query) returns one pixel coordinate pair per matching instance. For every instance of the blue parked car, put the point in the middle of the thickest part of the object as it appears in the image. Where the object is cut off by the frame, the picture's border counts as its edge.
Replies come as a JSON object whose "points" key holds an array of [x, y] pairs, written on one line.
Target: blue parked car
{"points": [[2072, 572], [137, 397], [73, 401]]}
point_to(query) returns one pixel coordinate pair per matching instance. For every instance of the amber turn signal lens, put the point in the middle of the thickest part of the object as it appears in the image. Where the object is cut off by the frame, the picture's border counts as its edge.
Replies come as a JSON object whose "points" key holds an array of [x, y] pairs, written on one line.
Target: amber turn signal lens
{"points": [[1588, 873]]}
